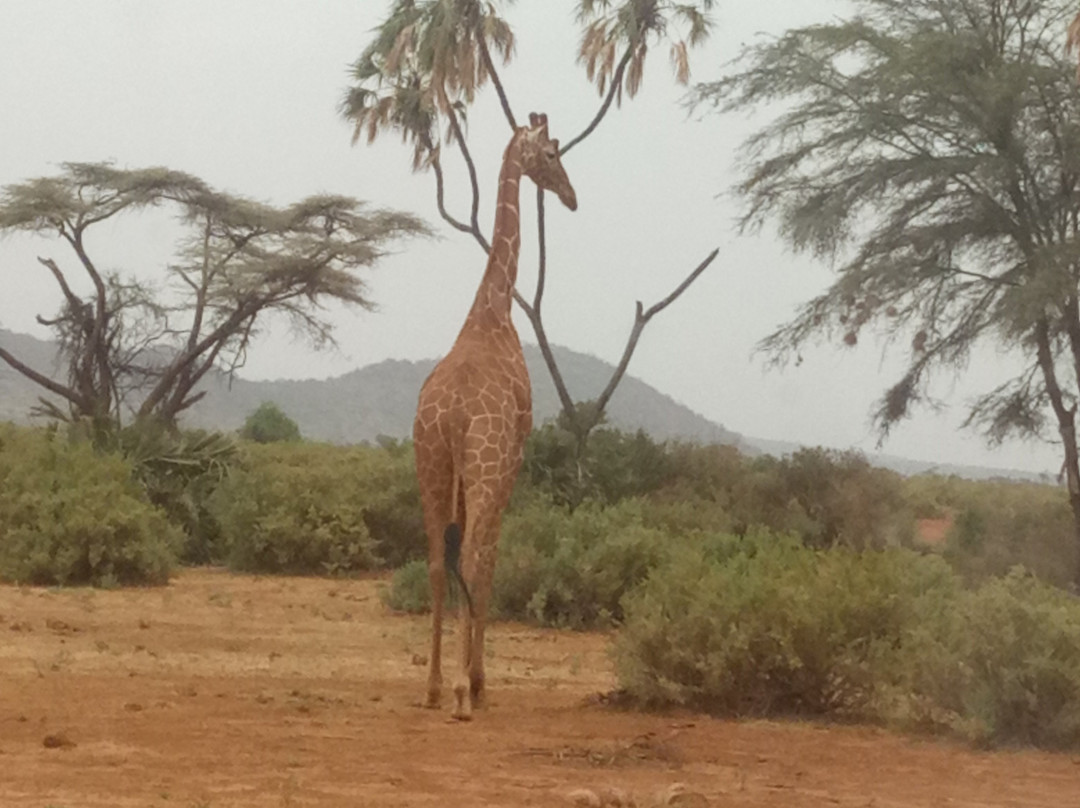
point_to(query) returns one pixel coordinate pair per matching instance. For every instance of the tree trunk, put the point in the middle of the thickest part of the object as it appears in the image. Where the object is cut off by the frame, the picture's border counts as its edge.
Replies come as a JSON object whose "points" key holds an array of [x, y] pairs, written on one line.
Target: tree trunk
{"points": [[1066, 418], [1072, 474]]}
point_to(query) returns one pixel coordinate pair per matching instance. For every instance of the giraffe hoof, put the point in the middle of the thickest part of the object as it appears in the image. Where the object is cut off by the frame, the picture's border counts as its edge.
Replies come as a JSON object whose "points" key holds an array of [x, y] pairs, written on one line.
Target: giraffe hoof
{"points": [[463, 707]]}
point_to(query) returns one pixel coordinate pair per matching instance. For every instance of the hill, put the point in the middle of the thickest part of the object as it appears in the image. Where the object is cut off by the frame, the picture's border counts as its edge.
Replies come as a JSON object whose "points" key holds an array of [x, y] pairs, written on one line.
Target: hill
{"points": [[380, 399]]}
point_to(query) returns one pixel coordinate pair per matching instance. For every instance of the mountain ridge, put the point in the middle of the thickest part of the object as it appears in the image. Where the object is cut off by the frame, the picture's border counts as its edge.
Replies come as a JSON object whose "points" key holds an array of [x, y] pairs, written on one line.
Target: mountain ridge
{"points": [[379, 399]]}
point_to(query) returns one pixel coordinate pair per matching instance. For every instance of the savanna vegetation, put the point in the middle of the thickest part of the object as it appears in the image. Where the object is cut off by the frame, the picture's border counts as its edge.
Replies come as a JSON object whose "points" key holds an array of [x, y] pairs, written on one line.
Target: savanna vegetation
{"points": [[928, 147], [736, 585]]}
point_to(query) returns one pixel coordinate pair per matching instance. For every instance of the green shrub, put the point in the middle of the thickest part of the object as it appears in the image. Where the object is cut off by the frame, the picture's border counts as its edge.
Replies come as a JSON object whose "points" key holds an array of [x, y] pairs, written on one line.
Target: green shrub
{"points": [[392, 511], [765, 626], [409, 590], [571, 570], [615, 465], [268, 424], [179, 473], [558, 568], [1003, 667], [300, 508], [71, 515], [998, 526]]}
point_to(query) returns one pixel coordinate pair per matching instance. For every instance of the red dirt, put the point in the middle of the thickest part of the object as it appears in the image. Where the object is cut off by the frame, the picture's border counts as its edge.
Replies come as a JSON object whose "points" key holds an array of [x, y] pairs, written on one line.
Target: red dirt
{"points": [[235, 691], [932, 532]]}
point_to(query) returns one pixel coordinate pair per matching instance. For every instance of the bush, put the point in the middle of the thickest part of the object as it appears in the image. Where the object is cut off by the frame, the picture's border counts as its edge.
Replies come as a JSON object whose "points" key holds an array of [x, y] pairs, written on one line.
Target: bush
{"points": [[614, 466], [392, 511], [268, 424], [300, 508], [765, 626], [1002, 667], [306, 508], [70, 515], [409, 590], [557, 568], [179, 473], [998, 526], [571, 570]]}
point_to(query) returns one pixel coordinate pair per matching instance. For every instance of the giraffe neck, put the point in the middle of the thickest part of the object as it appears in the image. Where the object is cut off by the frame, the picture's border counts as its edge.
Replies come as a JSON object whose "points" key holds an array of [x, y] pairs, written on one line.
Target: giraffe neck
{"points": [[491, 307]]}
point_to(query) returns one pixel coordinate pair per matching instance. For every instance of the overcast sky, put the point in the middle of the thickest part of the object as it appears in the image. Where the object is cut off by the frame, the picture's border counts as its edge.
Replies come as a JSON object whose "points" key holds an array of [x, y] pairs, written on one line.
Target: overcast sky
{"points": [[244, 94]]}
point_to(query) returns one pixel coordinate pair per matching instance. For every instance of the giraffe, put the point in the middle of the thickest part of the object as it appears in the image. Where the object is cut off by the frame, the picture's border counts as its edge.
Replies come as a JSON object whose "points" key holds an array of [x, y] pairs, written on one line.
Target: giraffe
{"points": [[472, 419]]}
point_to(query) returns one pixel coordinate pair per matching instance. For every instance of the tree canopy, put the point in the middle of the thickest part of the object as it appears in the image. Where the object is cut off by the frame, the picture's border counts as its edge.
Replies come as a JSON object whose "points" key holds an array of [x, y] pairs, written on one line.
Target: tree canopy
{"points": [[136, 348], [268, 423], [931, 150]]}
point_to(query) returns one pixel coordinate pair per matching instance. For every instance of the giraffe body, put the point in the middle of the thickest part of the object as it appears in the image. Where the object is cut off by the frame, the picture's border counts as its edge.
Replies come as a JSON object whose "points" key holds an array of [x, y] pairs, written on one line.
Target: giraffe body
{"points": [[472, 419]]}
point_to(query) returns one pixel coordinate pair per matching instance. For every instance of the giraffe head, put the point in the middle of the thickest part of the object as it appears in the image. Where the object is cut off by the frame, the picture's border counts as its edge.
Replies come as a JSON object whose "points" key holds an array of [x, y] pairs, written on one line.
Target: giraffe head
{"points": [[540, 160]]}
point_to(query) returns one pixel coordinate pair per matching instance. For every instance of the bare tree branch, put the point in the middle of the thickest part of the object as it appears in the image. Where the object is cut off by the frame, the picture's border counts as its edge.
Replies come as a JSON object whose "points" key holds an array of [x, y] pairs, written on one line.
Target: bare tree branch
{"points": [[474, 213], [489, 66], [42, 380], [440, 198], [641, 319]]}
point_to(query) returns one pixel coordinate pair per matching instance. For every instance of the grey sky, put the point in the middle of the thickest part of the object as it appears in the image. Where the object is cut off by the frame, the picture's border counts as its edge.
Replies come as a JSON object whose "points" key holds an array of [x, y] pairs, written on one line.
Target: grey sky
{"points": [[244, 94]]}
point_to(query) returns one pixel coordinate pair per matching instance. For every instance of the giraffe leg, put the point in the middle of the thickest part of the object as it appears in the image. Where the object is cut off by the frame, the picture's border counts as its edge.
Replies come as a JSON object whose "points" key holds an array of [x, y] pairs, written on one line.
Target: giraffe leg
{"points": [[484, 529], [435, 475], [437, 578], [481, 601], [462, 700]]}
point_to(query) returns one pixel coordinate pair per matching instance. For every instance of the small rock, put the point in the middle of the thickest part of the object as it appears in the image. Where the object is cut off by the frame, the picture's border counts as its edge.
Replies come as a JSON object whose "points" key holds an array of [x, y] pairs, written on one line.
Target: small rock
{"points": [[133, 707], [57, 741], [584, 798], [419, 659], [59, 626], [679, 794], [615, 798]]}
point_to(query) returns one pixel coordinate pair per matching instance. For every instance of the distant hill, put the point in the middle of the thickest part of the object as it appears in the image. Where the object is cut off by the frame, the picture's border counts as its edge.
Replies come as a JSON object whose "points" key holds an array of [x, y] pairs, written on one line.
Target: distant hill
{"points": [[380, 399]]}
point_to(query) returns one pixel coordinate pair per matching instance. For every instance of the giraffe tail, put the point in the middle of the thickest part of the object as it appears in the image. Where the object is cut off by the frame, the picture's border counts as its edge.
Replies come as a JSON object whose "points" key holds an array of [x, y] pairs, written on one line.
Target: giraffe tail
{"points": [[452, 545]]}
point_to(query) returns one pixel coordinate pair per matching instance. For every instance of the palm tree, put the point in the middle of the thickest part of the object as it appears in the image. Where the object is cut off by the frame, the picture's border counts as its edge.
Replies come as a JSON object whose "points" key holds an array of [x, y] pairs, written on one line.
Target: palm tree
{"points": [[631, 27]]}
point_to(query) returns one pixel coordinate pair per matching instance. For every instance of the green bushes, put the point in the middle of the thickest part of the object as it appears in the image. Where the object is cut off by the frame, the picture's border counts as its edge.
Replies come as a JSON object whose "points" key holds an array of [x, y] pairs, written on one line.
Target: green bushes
{"points": [[1000, 525], [306, 509], [70, 515], [766, 627], [1003, 666], [556, 568], [269, 424], [409, 590], [571, 570]]}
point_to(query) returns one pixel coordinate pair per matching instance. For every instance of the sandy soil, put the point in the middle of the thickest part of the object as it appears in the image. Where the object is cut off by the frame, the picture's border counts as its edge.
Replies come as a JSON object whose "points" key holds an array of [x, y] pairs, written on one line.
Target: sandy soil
{"points": [[236, 691]]}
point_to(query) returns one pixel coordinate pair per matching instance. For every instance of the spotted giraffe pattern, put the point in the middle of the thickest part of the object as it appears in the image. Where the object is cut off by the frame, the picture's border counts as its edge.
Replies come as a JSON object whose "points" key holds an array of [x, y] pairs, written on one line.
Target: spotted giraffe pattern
{"points": [[474, 414]]}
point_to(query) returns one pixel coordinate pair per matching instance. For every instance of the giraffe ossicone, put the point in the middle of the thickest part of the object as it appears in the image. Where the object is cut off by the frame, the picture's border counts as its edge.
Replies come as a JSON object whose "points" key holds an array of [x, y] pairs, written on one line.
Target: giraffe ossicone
{"points": [[472, 419]]}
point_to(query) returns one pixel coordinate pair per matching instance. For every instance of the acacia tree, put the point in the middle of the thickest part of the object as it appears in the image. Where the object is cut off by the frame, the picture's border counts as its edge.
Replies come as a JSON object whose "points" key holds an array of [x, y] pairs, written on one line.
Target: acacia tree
{"points": [[931, 150], [138, 351], [422, 70]]}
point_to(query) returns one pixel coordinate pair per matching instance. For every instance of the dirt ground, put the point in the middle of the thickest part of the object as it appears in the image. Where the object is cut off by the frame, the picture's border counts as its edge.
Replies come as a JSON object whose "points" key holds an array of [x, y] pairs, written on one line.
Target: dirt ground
{"points": [[221, 690]]}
